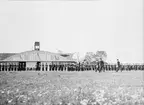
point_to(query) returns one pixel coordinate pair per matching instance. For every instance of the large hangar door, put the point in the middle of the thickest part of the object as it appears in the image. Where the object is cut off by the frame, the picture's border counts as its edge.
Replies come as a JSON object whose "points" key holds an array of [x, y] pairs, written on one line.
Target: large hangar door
{"points": [[31, 65]]}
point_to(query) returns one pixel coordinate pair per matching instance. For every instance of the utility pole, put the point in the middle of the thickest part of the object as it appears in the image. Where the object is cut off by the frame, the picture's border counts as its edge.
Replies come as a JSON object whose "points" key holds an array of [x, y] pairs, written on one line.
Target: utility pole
{"points": [[77, 56], [78, 61]]}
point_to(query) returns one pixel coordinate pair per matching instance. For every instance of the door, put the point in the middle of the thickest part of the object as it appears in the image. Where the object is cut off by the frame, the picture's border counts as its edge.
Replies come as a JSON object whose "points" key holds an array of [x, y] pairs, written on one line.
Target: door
{"points": [[22, 66], [38, 64]]}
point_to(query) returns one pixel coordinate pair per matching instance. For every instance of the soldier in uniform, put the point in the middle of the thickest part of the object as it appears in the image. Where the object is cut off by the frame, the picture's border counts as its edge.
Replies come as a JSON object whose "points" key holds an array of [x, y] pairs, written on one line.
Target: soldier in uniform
{"points": [[0, 66], [101, 64], [118, 66]]}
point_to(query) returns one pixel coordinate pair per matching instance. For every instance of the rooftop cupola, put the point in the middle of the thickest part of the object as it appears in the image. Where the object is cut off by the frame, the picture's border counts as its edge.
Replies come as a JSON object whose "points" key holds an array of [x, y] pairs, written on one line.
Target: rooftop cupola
{"points": [[37, 46]]}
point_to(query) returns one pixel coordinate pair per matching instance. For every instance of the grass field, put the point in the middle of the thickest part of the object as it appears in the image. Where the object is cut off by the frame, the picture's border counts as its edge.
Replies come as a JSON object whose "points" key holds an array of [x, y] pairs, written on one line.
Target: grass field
{"points": [[71, 88]]}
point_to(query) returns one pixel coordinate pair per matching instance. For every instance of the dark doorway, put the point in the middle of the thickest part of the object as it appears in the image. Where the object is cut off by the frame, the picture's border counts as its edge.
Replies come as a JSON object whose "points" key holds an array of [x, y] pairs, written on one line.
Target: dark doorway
{"points": [[38, 64], [22, 66]]}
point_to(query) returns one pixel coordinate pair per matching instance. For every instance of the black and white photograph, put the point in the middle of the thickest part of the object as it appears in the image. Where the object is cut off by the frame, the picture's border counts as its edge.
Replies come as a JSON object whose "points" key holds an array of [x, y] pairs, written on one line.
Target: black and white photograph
{"points": [[71, 52]]}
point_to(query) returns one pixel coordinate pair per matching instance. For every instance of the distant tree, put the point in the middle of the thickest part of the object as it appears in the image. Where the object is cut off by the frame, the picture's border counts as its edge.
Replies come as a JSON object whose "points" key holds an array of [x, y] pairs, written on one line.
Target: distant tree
{"points": [[101, 54], [89, 57]]}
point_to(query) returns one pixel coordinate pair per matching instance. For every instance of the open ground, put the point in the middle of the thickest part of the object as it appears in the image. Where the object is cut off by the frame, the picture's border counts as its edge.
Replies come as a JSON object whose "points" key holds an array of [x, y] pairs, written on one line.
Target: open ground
{"points": [[71, 88]]}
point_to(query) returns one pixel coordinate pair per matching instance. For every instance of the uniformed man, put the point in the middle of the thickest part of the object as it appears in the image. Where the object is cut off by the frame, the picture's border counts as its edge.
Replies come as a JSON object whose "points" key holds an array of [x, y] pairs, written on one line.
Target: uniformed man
{"points": [[101, 65], [118, 65]]}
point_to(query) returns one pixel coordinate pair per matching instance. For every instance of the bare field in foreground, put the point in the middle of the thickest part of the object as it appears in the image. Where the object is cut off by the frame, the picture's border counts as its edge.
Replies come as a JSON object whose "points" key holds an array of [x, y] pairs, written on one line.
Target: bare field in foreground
{"points": [[71, 88]]}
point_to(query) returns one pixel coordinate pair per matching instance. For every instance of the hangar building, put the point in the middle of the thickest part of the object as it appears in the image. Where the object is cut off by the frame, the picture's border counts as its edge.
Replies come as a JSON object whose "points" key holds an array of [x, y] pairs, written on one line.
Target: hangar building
{"points": [[34, 60]]}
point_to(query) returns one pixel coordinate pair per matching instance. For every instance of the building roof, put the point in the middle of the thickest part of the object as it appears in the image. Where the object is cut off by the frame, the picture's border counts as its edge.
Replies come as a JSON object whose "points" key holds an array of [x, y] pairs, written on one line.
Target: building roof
{"points": [[35, 55], [6, 55]]}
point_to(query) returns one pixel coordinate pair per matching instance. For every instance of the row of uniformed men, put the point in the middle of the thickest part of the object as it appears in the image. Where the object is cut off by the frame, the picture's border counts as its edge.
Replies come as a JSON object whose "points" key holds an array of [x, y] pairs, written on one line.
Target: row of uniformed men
{"points": [[70, 67]]}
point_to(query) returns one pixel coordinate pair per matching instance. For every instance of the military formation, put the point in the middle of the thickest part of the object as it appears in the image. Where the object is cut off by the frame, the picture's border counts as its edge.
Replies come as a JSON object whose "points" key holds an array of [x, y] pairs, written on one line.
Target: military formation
{"points": [[100, 66]]}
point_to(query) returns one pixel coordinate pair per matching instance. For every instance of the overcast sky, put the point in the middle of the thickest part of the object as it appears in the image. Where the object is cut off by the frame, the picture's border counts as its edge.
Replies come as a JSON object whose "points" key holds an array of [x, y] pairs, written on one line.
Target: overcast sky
{"points": [[114, 26]]}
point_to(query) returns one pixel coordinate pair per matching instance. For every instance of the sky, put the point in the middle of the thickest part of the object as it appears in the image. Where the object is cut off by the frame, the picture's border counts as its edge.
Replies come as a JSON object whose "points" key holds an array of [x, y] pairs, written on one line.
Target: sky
{"points": [[114, 26]]}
